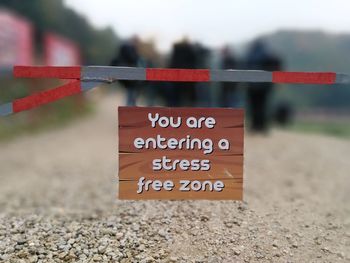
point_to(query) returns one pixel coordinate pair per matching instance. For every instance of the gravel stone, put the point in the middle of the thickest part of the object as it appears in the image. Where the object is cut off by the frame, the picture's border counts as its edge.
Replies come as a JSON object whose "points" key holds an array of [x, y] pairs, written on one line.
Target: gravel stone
{"points": [[57, 202]]}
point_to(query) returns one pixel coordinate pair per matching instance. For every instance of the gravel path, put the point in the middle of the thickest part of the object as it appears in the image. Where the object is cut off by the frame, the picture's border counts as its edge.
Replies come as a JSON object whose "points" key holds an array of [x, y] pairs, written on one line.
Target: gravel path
{"points": [[57, 203]]}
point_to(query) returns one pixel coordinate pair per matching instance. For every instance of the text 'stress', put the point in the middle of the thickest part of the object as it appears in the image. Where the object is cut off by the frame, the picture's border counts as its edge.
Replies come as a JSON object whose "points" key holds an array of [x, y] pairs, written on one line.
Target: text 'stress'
{"points": [[180, 153]]}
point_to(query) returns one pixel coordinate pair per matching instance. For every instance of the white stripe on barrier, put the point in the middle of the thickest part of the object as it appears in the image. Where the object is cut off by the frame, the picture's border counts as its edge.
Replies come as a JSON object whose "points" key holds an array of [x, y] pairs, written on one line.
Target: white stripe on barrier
{"points": [[6, 109], [110, 74], [241, 75]]}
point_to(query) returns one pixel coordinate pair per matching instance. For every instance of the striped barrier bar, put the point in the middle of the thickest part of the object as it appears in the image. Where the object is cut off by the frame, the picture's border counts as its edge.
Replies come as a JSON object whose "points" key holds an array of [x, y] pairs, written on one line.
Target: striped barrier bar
{"points": [[37, 99], [87, 77], [110, 74]]}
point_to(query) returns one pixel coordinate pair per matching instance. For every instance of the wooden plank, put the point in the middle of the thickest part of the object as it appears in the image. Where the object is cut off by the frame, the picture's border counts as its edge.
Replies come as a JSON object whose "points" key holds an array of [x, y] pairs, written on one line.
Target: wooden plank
{"points": [[198, 162], [232, 191], [128, 136], [131, 166], [228, 117]]}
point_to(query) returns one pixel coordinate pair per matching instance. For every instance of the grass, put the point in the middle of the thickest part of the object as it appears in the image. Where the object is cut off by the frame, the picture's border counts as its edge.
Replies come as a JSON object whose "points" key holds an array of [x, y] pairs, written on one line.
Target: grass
{"points": [[47, 117], [332, 128]]}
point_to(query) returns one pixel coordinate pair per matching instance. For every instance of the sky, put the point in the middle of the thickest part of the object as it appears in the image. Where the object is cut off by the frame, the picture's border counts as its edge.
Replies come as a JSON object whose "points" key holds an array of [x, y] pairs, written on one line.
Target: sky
{"points": [[213, 22]]}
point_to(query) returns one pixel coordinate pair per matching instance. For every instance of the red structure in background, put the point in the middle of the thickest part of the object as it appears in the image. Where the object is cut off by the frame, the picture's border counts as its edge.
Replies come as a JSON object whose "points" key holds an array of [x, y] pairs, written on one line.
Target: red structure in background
{"points": [[60, 51], [16, 40]]}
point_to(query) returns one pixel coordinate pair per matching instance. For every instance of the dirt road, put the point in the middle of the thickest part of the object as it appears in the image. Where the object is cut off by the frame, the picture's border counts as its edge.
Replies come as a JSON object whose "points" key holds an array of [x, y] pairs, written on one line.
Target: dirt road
{"points": [[57, 203]]}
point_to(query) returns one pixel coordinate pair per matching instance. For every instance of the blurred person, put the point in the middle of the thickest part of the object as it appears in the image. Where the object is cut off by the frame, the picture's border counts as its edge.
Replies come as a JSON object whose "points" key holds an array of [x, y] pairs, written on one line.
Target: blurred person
{"points": [[150, 88], [202, 95], [228, 96], [260, 58], [149, 58], [183, 56], [128, 56]]}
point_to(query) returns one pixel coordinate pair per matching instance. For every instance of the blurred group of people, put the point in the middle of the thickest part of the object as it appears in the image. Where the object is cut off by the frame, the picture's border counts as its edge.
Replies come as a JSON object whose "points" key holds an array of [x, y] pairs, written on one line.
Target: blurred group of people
{"points": [[187, 55]]}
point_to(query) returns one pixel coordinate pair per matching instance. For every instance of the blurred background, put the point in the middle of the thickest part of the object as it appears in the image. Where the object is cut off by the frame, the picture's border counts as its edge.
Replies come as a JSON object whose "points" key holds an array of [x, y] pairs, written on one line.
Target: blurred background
{"points": [[180, 35], [59, 162]]}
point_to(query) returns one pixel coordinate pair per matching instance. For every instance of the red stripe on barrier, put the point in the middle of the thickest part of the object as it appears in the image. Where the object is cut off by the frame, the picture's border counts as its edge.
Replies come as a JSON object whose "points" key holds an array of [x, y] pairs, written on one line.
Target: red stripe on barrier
{"points": [[190, 75], [47, 72], [45, 97], [304, 77]]}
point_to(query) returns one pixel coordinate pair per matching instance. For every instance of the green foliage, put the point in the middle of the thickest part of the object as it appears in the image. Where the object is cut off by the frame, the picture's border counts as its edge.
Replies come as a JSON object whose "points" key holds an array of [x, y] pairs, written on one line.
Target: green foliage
{"points": [[50, 116], [313, 51], [97, 46], [337, 129]]}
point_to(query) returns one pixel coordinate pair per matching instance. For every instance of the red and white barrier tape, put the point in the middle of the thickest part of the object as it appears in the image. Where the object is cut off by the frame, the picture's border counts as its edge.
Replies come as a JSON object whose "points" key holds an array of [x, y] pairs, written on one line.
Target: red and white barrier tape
{"points": [[85, 78], [109, 74]]}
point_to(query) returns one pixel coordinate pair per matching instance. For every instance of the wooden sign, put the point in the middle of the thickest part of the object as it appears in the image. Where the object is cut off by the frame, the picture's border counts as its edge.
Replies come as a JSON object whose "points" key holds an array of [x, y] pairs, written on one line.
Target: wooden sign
{"points": [[180, 153]]}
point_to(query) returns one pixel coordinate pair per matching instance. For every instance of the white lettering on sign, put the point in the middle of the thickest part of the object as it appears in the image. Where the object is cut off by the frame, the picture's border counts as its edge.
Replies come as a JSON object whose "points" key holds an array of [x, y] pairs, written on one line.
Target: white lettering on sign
{"points": [[164, 121], [163, 143], [185, 185], [187, 143], [194, 123]]}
